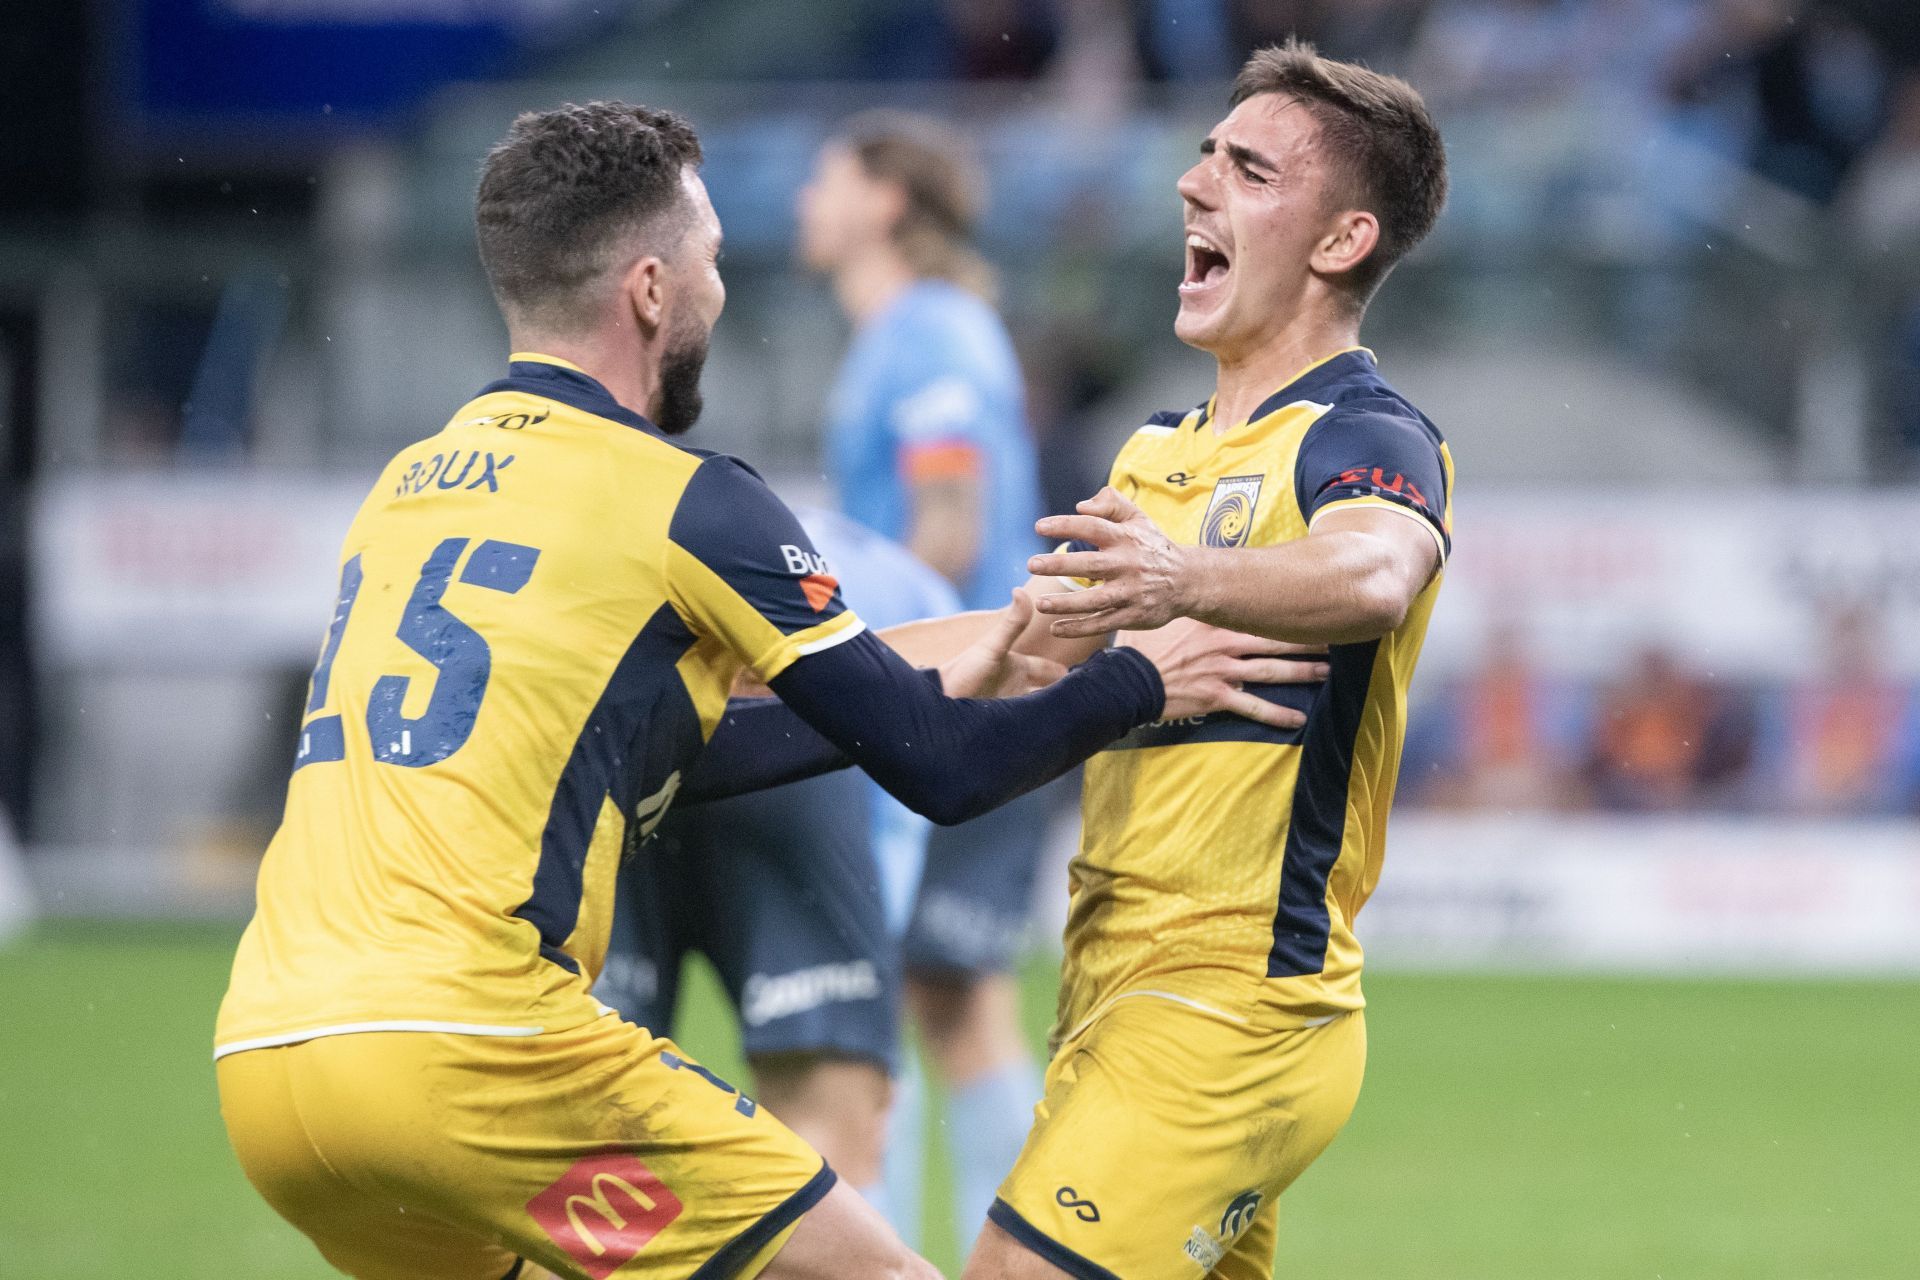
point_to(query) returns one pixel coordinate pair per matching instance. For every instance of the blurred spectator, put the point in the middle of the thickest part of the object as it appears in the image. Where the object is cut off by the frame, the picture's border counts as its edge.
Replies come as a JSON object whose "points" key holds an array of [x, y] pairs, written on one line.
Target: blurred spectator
{"points": [[1812, 79], [1497, 739], [1850, 732], [1666, 739]]}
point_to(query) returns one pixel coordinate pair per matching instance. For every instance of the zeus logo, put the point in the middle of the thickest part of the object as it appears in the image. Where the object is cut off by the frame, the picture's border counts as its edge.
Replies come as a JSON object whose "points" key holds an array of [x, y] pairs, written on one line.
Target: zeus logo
{"points": [[604, 1210], [802, 562], [1376, 479]]}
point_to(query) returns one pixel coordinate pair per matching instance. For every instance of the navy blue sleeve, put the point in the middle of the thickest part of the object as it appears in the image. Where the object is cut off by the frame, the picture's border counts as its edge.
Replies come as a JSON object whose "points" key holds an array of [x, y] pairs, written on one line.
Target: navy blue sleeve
{"points": [[951, 759], [741, 568], [1386, 457], [758, 743]]}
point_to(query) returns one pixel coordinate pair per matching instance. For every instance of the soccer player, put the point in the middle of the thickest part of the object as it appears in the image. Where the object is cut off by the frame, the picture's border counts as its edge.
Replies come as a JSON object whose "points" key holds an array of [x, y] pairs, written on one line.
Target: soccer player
{"points": [[796, 894], [928, 444], [1210, 1040], [542, 610]]}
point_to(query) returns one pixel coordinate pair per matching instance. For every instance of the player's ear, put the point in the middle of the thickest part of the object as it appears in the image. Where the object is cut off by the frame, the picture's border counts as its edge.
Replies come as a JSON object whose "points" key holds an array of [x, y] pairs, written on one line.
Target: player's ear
{"points": [[645, 289], [1355, 234]]}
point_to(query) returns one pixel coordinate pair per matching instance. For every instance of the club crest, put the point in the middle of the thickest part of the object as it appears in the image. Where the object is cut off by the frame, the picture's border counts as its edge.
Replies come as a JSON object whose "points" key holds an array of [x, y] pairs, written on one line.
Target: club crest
{"points": [[1229, 518]]}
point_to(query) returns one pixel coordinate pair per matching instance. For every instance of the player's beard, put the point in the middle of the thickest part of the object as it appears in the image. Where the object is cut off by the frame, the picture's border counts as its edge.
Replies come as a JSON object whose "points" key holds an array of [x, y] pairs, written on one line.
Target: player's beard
{"points": [[678, 402]]}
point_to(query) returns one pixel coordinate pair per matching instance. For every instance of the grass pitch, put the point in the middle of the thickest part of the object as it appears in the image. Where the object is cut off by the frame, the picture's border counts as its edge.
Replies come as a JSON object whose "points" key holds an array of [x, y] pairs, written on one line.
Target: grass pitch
{"points": [[1540, 1128]]}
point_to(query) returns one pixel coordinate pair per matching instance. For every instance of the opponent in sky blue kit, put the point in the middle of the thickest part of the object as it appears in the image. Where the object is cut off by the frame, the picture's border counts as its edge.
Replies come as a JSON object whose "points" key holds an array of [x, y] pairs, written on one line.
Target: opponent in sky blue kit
{"points": [[927, 442]]}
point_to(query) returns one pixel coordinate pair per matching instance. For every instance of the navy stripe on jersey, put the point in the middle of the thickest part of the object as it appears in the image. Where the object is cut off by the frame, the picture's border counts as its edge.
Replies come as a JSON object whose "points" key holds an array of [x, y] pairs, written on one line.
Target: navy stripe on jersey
{"points": [[645, 691], [1224, 726], [1318, 823], [732, 523], [1321, 384]]}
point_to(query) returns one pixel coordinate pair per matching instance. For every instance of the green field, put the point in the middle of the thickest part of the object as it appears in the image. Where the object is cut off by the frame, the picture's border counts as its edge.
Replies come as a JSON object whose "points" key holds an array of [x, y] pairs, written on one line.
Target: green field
{"points": [[1511, 1128]]}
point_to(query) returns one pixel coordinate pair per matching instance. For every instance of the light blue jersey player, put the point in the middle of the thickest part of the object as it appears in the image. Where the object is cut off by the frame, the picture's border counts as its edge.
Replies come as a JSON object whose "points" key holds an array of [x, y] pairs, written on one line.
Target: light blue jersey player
{"points": [[798, 896], [929, 401], [927, 442]]}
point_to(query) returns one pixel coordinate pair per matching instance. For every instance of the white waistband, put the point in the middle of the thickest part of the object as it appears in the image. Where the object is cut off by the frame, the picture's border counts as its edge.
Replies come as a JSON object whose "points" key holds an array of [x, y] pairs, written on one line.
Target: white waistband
{"points": [[353, 1028]]}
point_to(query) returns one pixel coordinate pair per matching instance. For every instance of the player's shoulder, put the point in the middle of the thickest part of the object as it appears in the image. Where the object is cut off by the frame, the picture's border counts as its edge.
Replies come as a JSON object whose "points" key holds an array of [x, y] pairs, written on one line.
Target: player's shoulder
{"points": [[1353, 392], [724, 496]]}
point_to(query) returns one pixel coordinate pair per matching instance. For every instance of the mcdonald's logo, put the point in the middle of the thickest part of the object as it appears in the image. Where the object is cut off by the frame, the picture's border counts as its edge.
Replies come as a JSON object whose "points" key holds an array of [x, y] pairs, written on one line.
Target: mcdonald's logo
{"points": [[604, 1209]]}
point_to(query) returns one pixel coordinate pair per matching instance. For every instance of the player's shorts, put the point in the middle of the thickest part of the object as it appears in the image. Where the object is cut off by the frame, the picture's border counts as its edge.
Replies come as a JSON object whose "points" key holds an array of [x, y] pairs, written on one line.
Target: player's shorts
{"points": [[600, 1150], [971, 915], [780, 890], [1166, 1136]]}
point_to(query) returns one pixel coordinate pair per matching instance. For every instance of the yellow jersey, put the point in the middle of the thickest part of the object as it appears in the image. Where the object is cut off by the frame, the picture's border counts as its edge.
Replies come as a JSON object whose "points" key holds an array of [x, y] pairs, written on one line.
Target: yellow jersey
{"points": [[1222, 863], [542, 610]]}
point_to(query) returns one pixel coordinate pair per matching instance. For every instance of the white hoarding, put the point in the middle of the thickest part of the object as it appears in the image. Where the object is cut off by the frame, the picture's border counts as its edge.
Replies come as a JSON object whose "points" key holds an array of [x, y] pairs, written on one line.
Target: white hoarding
{"points": [[1692, 895], [188, 570]]}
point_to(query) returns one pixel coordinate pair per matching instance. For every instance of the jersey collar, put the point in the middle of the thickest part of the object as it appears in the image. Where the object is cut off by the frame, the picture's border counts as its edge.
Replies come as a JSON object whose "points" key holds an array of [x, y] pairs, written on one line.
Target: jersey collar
{"points": [[1304, 385], [532, 373]]}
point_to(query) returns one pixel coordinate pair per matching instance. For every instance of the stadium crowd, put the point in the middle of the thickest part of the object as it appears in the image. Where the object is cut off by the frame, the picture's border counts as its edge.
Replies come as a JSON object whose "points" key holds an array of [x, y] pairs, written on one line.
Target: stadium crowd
{"points": [[1665, 736]]}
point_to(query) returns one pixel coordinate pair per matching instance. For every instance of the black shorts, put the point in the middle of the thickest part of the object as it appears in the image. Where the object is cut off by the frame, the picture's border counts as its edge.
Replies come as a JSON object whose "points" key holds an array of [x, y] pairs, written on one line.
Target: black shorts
{"points": [[780, 891]]}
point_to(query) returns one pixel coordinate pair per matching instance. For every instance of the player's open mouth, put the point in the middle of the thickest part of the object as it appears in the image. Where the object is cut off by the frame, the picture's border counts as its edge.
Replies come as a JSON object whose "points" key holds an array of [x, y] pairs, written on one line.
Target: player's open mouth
{"points": [[1207, 263]]}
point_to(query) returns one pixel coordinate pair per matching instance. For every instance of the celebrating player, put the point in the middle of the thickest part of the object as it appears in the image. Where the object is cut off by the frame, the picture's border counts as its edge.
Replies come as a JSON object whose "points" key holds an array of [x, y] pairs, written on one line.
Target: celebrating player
{"points": [[542, 609], [928, 444], [1210, 1040]]}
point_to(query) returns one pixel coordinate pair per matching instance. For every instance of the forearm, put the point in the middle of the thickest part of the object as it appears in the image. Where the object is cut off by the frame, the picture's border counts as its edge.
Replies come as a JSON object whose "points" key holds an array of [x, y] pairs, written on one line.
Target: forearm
{"points": [[1333, 588], [944, 530], [934, 641], [759, 743], [952, 759]]}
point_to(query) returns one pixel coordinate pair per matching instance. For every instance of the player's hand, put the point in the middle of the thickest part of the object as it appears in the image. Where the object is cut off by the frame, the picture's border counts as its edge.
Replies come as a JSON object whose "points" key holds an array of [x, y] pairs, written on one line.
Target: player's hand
{"points": [[989, 667], [1139, 574], [1207, 669]]}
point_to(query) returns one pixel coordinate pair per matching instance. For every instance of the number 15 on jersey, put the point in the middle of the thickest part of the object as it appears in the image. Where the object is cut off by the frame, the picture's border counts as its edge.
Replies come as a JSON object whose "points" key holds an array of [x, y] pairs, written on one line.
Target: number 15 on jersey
{"points": [[460, 656]]}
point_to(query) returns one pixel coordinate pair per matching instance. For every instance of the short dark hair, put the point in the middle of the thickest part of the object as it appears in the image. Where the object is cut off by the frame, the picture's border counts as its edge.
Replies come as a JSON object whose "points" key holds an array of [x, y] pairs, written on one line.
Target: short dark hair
{"points": [[1379, 137], [945, 191], [564, 187]]}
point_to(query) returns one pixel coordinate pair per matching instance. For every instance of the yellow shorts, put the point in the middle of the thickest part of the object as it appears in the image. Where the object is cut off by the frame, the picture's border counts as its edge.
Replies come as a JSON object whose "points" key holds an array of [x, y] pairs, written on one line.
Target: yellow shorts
{"points": [[595, 1151], [1167, 1135]]}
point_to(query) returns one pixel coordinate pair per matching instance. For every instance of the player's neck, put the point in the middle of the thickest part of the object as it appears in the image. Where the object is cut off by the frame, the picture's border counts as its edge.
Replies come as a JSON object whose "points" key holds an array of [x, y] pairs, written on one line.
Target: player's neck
{"points": [[1244, 381], [622, 368], [869, 282]]}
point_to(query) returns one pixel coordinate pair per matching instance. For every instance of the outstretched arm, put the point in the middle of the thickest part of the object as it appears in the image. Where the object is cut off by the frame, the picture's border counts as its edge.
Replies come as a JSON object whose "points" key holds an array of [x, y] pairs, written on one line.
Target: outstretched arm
{"points": [[1372, 484], [1353, 578], [951, 758], [741, 570]]}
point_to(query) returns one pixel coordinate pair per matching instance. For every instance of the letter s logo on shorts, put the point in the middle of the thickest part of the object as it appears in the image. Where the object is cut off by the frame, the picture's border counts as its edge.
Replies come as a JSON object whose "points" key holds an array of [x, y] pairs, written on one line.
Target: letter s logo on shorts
{"points": [[604, 1210]]}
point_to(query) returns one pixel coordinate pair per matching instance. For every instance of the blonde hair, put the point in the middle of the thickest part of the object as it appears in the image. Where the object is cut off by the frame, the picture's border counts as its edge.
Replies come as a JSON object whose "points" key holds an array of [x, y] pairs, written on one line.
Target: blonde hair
{"points": [[945, 193]]}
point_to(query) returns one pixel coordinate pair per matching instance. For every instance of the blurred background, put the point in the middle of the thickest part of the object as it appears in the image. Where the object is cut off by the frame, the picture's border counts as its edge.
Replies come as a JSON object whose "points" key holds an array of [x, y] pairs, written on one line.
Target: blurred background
{"points": [[1648, 938]]}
